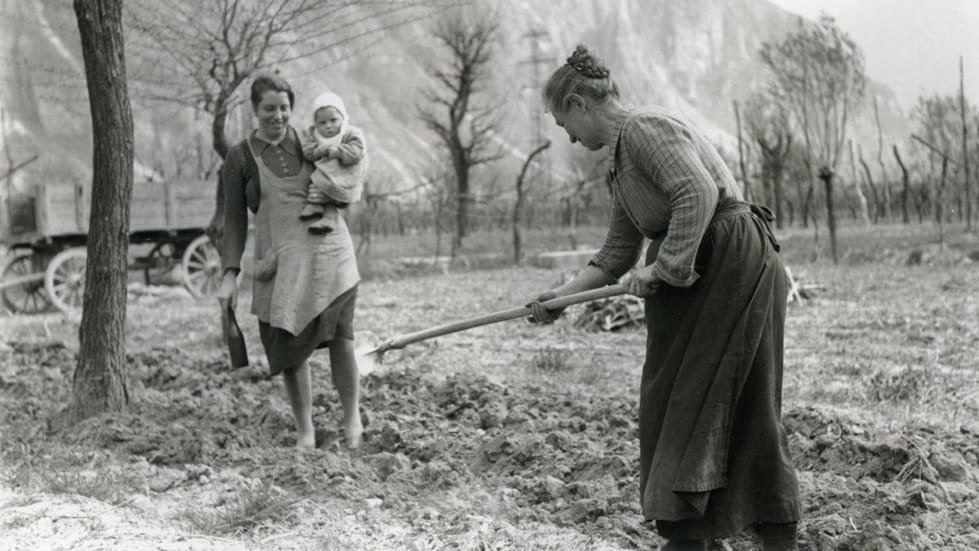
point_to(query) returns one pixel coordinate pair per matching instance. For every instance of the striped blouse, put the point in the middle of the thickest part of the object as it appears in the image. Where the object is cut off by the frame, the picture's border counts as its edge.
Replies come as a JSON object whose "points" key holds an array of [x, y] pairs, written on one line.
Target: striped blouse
{"points": [[666, 182]]}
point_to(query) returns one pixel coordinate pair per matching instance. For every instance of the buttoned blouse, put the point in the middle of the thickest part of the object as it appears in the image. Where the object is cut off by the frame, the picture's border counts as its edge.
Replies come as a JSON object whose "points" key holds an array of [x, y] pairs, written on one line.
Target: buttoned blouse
{"points": [[240, 179], [666, 183]]}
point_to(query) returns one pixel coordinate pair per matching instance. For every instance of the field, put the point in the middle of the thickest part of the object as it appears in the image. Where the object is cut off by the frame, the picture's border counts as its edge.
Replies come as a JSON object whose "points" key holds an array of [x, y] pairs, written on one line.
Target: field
{"points": [[511, 436]]}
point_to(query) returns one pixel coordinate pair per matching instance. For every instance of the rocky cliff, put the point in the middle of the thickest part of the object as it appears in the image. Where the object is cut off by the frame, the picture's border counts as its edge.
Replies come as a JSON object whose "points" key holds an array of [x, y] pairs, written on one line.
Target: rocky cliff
{"points": [[696, 56]]}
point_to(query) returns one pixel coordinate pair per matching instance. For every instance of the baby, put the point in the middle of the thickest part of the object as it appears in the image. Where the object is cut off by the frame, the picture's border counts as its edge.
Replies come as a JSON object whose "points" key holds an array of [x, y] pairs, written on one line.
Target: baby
{"points": [[338, 151]]}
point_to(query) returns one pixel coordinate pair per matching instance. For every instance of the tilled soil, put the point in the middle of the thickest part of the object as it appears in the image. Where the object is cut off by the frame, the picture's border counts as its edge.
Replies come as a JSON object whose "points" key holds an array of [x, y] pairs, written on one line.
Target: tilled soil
{"points": [[459, 452], [439, 450]]}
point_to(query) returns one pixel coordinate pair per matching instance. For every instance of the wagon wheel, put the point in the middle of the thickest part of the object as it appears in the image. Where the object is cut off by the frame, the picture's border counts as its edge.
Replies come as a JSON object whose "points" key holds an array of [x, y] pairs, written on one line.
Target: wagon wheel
{"points": [[64, 279], [161, 259], [28, 297], [202, 268]]}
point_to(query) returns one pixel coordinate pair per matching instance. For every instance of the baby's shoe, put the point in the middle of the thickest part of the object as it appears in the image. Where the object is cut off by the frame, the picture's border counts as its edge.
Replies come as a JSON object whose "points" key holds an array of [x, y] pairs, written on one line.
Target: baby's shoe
{"points": [[326, 223], [310, 211]]}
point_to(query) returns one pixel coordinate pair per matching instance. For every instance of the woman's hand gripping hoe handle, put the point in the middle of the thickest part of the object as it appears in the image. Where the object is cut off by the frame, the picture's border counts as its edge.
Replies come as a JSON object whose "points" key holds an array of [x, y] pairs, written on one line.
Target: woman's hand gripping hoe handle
{"points": [[554, 304]]}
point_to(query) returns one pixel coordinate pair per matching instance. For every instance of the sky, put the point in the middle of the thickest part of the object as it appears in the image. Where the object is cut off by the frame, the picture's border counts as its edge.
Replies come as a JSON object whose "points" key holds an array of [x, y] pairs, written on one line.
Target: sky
{"points": [[913, 46]]}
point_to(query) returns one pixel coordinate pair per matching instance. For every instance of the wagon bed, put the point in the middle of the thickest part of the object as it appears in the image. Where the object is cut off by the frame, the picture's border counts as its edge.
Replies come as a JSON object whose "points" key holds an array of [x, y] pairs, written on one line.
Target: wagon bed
{"points": [[48, 235]]}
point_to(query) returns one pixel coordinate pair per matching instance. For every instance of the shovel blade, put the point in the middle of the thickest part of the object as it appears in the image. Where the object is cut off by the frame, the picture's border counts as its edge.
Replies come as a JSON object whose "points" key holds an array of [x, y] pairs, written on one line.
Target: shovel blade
{"points": [[365, 352]]}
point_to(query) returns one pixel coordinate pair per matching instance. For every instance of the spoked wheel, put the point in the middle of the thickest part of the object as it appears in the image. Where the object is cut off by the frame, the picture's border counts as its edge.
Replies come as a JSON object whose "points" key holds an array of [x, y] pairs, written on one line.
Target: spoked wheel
{"points": [[202, 268], [160, 262], [28, 297], [64, 279]]}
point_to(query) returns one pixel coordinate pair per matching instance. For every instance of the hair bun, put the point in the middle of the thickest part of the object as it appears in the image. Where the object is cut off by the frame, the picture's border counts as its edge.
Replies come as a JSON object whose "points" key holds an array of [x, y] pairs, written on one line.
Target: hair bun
{"points": [[587, 63]]}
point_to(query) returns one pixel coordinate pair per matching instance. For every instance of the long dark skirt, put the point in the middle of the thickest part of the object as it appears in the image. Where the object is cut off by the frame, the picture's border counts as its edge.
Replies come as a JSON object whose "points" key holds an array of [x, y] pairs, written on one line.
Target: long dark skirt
{"points": [[713, 452], [286, 351]]}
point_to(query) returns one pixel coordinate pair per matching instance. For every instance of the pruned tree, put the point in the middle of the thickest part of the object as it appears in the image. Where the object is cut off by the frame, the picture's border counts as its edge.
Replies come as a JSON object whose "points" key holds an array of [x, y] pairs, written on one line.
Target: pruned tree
{"points": [[519, 202], [868, 176], [742, 161], [768, 124], [885, 183], [946, 159], [99, 383], [861, 197], [966, 177], [199, 54], [820, 70], [935, 123], [465, 125], [905, 186]]}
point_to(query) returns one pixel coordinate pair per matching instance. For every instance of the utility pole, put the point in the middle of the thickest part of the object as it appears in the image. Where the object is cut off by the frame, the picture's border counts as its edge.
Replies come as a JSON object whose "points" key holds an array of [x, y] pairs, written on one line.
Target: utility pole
{"points": [[536, 36]]}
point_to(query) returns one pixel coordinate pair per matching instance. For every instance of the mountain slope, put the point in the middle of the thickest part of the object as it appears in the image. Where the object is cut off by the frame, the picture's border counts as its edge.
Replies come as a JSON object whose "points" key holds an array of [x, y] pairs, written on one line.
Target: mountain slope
{"points": [[696, 56]]}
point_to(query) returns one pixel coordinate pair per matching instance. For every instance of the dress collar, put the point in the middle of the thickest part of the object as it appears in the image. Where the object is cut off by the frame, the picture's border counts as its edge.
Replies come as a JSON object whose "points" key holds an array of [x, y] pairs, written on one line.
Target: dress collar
{"points": [[288, 144]]}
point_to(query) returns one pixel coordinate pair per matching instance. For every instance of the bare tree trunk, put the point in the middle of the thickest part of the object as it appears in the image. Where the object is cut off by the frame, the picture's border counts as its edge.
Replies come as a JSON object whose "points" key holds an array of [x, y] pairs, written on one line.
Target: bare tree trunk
{"points": [[399, 218], [975, 169], [518, 204], [938, 191], [939, 209], [966, 184], [99, 383], [826, 175], [779, 192], [858, 189], [462, 209], [809, 209], [440, 202], [800, 197], [921, 204], [878, 209], [807, 204], [905, 188], [744, 172], [884, 181]]}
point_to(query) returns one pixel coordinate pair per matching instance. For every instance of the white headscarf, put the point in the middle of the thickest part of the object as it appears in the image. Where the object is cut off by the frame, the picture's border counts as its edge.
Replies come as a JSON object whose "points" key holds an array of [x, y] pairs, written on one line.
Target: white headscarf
{"points": [[329, 99]]}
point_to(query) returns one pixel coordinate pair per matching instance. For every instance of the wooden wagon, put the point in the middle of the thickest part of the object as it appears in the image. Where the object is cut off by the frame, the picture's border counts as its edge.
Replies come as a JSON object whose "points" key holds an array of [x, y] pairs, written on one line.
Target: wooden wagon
{"points": [[49, 231]]}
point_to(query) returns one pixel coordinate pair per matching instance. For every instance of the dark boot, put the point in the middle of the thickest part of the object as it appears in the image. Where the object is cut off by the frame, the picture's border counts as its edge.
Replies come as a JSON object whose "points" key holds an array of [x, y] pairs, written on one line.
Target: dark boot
{"points": [[310, 211], [327, 221]]}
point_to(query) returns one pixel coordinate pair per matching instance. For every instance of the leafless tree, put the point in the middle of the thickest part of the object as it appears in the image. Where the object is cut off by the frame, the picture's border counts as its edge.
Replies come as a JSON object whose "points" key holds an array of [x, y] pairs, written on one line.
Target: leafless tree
{"points": [[861, 196], [519, 202], [935, 123], [905, 186], [767, 122], [966, 184], [820, 70], [200, 53], [464, 124], [940, 188], [742, 161], [885, 182]]}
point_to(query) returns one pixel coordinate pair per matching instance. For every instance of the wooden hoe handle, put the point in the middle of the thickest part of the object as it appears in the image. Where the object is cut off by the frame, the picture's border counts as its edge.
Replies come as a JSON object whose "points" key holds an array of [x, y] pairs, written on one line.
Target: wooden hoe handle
{"points": [[554, 304]]}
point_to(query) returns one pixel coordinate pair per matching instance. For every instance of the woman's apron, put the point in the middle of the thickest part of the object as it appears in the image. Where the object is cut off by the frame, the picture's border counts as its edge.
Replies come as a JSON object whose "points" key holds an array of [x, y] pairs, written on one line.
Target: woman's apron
{"points": [[310, 271], [714, 455]]}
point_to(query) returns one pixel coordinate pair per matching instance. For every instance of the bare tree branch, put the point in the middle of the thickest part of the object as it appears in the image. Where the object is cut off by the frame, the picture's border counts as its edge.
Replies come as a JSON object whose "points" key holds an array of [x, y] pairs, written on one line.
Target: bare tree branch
{"points": [[465, 130]]}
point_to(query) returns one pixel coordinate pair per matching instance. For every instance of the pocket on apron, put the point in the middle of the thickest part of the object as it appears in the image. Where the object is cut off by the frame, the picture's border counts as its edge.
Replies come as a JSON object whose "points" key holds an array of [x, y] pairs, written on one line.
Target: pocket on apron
{"points": [[266, 266]]}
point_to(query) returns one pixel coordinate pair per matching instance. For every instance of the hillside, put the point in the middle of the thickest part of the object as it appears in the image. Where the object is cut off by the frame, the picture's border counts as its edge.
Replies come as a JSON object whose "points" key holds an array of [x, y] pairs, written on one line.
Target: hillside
{"points": [[697, 56]]}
